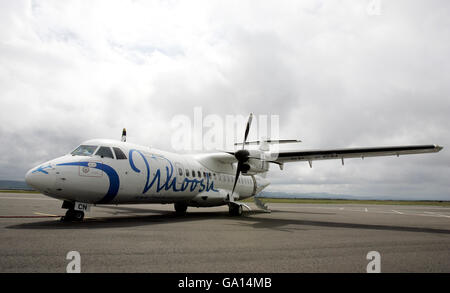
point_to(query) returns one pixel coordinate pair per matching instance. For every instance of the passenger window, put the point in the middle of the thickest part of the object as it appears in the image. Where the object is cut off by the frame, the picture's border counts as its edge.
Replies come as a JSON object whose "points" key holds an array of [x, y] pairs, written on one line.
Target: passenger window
{"points": [[193, 173], [199, 174], [119, 154], [180, 171], [105, 152], [187, 173]]}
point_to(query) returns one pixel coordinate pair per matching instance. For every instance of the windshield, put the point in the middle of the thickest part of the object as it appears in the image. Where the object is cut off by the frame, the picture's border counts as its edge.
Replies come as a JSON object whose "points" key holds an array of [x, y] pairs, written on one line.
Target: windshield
{"points": [[84, 150]]}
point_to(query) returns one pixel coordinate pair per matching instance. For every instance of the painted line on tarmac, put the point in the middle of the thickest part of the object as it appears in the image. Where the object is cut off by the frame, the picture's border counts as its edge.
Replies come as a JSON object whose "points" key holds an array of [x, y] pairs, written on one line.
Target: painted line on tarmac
{"points": [[43, 214], [436, 214], [36, 215], [26, 217], [427, 214]]}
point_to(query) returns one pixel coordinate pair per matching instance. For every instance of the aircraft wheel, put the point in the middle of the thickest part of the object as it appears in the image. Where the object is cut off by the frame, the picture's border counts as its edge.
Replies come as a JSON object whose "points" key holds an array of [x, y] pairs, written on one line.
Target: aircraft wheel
{"points": [[78, 216], [68, 216], [73, 215], [235, 210], [180, 209]]}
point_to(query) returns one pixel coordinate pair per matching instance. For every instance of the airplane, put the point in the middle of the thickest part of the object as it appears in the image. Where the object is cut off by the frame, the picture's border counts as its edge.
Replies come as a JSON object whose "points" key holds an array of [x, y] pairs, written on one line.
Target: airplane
{"points": [[104, 171]]}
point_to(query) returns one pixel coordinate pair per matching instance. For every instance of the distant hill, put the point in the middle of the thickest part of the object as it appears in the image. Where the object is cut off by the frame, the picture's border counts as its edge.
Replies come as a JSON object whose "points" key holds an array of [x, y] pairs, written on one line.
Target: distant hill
{"points": [[273, 194], [14, 185]]}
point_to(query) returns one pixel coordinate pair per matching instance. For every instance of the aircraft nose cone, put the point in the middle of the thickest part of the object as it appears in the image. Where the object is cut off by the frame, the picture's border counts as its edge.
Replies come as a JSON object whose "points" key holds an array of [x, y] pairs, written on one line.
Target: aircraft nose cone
{"points": [[40, 178], [30, 178]]}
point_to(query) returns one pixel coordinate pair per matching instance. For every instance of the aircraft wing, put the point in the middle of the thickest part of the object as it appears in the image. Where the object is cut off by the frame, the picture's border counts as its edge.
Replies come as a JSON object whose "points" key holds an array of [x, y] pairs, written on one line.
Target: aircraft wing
{"points": [[329, 154]]}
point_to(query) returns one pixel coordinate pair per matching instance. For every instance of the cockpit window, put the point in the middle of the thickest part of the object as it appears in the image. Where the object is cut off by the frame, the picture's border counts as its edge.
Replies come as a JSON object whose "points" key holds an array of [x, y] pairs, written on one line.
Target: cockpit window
{"points": [[84, 150], [104, 152], [119, 154]]}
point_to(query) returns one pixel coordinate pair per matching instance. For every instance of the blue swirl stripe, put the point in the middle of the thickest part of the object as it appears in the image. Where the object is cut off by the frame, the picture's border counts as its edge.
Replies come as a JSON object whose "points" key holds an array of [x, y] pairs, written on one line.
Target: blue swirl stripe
{"points": [[42, 169], [114, 181]]}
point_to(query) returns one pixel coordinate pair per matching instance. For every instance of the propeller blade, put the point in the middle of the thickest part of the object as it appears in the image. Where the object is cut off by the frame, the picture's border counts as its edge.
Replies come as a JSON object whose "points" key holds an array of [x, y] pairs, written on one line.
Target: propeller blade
{"points": [[238, 172], [247, 129], [241, 156]]}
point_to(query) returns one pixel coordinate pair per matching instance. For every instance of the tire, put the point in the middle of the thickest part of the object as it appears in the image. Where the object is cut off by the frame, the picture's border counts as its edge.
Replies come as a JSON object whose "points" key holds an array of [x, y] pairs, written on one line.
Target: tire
{"points": [[239, 211], [180, 209], [235, 210], [72, 215], [78, 216], [68, 216]]}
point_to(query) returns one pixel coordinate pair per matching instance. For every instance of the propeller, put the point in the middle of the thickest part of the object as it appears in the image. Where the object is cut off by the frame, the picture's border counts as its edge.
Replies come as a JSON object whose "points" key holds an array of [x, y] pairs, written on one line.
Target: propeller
{"points": [[242, 156]]}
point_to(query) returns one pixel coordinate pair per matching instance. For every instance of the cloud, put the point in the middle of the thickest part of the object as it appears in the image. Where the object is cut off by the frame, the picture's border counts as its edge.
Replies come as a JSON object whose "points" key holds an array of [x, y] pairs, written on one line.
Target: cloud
{"points": [[337, 76]]}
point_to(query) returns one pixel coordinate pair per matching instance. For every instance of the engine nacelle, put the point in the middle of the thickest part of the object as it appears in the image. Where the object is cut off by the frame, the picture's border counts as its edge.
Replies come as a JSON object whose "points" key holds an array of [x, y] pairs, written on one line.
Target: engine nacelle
{"points": [[255, 166]]}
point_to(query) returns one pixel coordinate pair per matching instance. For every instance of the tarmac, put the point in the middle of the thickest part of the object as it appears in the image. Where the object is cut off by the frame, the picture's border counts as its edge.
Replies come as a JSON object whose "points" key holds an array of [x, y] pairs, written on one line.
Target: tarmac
{"points": [[293, 238]]}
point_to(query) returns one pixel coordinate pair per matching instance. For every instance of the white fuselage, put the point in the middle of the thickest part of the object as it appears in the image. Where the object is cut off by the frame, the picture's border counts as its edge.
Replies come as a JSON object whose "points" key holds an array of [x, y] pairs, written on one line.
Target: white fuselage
{"points": [[144, 175]]}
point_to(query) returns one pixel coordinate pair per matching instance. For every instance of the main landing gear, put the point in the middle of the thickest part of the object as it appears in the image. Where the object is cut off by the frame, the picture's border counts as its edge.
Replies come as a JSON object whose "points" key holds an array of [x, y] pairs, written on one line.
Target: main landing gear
{"points": [[235, 209], [71, 214], [180, 209]]}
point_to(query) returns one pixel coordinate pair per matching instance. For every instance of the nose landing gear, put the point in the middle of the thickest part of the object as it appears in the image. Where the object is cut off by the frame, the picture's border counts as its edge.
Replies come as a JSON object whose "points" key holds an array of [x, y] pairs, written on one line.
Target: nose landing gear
{"points": [[71, 214]]}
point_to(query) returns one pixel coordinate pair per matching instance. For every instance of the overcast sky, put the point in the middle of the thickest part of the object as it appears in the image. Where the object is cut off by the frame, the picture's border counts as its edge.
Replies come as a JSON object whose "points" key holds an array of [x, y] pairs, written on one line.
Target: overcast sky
{"points": [[338, 74]]}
